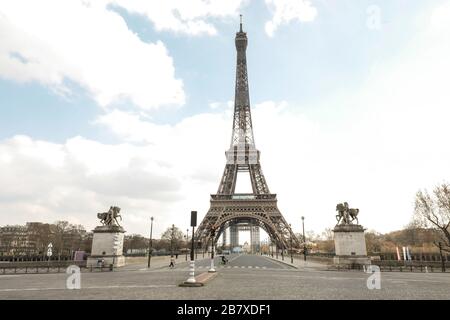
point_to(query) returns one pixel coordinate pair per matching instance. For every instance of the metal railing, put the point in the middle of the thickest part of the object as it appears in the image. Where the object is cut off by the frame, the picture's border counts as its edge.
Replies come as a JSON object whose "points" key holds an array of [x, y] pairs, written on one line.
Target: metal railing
{"points": [[39, 267]]}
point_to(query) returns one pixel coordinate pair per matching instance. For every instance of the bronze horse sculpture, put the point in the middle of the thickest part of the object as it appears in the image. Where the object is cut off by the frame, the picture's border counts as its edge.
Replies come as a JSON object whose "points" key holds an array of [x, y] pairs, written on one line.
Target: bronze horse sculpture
{"points": [[109, 218], [345, 214]]}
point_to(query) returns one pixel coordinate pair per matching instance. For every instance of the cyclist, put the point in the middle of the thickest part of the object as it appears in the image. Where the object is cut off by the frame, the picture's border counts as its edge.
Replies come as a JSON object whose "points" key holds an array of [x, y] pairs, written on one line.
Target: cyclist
{"points": [[224, 260]]}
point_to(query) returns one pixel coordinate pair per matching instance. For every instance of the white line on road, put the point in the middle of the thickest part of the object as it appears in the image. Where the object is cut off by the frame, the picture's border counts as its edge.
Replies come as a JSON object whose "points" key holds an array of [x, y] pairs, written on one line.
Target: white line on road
{"points": [[97, 287]]}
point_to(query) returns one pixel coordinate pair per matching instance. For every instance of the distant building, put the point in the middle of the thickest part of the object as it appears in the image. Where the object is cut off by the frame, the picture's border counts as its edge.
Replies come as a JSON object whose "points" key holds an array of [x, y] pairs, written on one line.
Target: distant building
{"points": [[14, 241], [32, 239], [237, 250]]}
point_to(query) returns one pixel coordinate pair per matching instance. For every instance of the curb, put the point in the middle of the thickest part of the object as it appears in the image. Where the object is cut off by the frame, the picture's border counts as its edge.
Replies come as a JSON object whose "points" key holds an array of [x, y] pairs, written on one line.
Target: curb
{"points": [[200, 280], [280, 261]]}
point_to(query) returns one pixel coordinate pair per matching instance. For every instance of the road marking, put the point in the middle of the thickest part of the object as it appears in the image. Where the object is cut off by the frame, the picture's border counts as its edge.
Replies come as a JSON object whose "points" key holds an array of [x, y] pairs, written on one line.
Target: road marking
{"points": [[93, 287]]}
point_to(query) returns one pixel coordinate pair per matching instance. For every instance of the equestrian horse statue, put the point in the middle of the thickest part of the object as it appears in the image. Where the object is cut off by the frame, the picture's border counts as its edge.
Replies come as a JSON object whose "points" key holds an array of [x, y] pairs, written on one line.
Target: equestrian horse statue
{"points": [[346, 215], [109, 218]]}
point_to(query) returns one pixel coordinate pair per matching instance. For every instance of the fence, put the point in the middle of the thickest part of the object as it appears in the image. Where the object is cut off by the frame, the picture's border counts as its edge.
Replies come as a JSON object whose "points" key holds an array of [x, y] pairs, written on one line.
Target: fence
{"points": [[397, 266], [38, 267]]}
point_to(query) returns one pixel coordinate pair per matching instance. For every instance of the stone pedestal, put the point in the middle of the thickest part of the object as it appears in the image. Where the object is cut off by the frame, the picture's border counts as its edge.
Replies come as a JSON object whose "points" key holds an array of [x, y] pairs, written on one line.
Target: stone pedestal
{"points": [[107, 245], [350, 245]]}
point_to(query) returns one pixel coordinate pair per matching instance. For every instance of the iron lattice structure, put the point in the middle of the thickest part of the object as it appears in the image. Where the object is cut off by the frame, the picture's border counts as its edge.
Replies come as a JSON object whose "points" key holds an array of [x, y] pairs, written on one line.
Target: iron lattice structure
{"points": [[258, 208]]}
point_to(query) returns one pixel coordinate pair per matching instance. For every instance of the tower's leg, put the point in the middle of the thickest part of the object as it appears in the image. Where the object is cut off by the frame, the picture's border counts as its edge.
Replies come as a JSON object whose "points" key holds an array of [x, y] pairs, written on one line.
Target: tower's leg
{"points": [[224, 238], [254, 238], [234, 236]]}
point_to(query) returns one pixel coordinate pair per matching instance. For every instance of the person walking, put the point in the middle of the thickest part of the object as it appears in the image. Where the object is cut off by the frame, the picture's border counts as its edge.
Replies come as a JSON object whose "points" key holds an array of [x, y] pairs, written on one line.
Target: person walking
{"points": [[172, 262]]}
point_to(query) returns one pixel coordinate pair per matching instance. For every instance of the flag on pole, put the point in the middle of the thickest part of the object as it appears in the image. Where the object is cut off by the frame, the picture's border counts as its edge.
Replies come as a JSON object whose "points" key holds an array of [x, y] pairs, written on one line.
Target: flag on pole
{"points": [[398, 255], [404, 254]]}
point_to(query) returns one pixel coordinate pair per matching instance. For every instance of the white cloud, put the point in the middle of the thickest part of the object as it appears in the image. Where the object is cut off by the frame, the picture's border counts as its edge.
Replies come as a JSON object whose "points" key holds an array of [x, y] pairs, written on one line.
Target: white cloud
{"points": [[46, 181], [217, 105], [285, 11], [53, 42], [181, 16]]}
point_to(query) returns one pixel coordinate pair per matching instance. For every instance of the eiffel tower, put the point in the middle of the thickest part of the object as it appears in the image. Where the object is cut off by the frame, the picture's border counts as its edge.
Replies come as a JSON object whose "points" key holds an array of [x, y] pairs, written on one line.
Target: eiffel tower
{"points": [[244, 211]]}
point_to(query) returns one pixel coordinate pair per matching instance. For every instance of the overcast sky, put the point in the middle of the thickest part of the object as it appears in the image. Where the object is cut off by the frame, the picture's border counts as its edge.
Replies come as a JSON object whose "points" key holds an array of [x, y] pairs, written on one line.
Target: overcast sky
{"points": [[128, 103]]}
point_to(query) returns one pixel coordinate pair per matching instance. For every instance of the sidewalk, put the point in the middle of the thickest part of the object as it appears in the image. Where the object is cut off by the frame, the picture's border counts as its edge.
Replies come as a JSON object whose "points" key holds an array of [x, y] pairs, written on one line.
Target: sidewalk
{"points": [[137, 263], [157, 262], [299, 263]]}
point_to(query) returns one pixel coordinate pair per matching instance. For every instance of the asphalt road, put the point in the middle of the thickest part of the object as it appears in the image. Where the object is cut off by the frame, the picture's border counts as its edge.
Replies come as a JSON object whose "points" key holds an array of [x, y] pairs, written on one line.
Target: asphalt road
{"points": [[246, 277], [236, 261]]}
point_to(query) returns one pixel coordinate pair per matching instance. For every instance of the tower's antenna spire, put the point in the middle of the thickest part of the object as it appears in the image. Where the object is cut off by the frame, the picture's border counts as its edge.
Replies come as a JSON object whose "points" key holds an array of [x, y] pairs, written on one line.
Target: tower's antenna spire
{"points": [[241, 22]]}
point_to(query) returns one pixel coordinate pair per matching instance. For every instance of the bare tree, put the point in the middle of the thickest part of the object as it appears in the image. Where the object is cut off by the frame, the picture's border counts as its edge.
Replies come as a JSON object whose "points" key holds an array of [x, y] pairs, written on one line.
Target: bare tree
{"points": [[174, 236], [135, 241], [433, 211], [327, 234], [374, 240], [39, 234]]}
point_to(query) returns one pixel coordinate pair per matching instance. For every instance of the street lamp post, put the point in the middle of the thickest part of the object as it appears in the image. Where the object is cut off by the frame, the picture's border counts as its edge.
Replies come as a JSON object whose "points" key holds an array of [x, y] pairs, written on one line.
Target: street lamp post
{"points": [[213, 234], [150, 243], [304, 239], [187, 243], [292, 258]]}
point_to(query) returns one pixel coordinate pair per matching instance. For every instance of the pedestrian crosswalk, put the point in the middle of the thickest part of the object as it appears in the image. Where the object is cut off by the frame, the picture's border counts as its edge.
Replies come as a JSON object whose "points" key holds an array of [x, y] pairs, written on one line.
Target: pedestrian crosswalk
{"points": [[225, 267]]}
